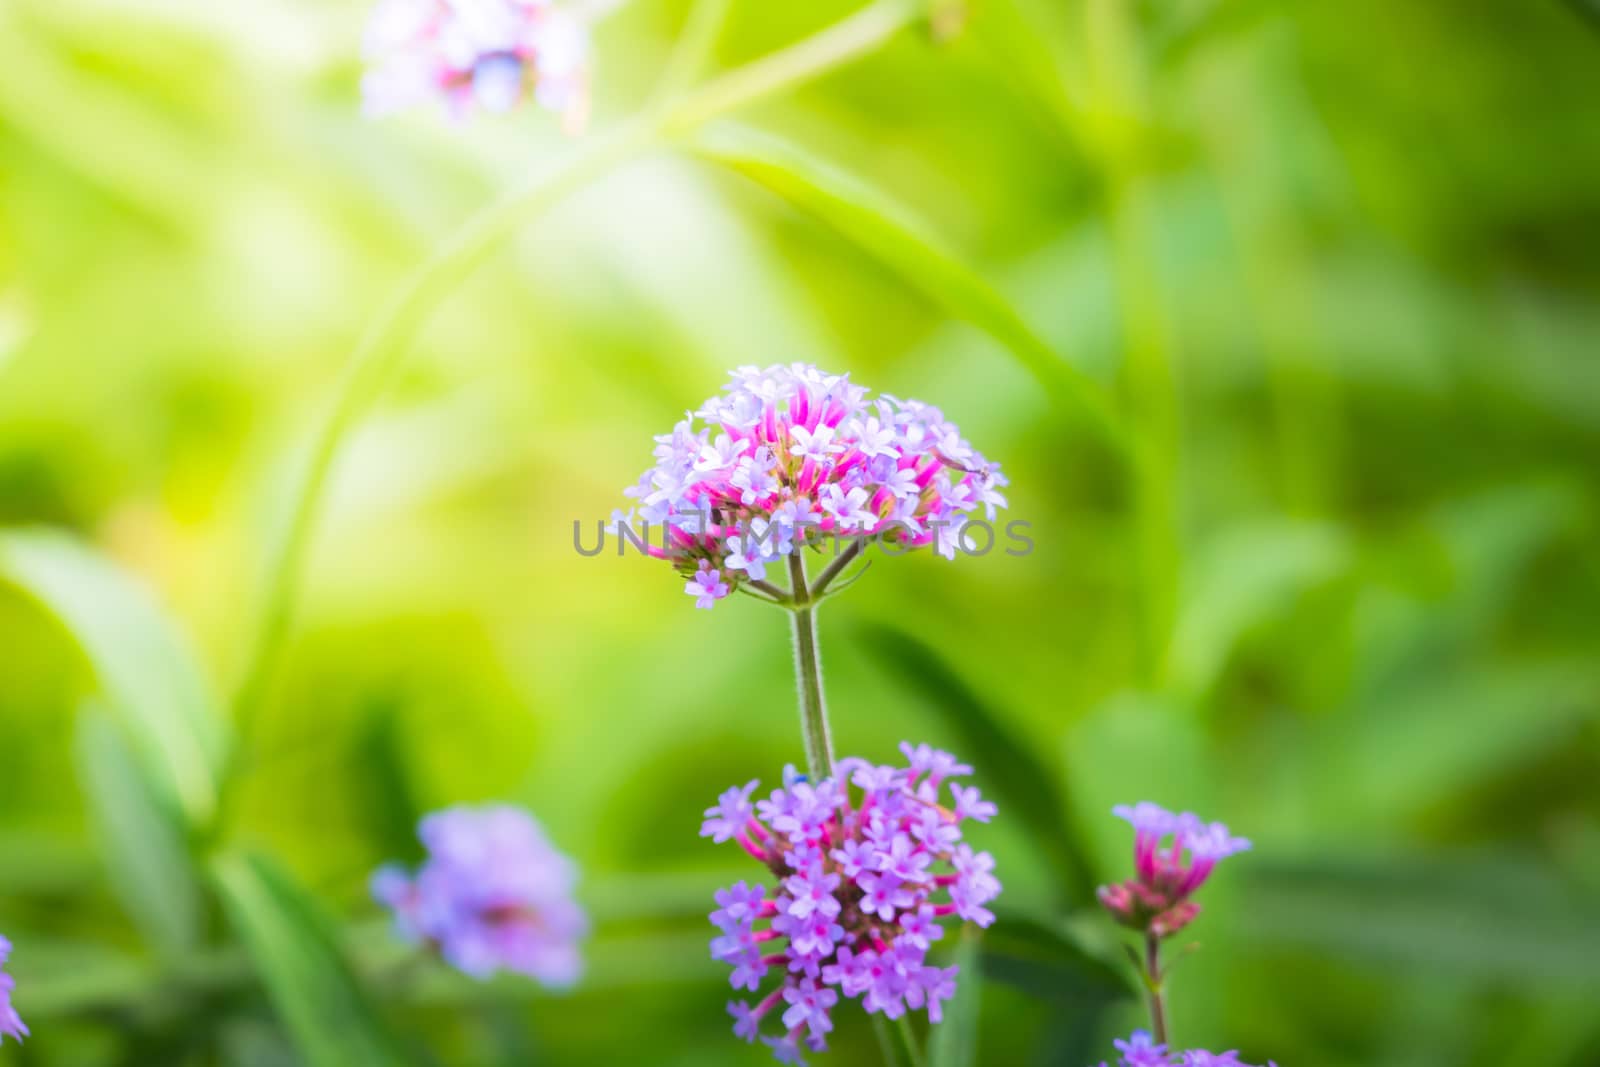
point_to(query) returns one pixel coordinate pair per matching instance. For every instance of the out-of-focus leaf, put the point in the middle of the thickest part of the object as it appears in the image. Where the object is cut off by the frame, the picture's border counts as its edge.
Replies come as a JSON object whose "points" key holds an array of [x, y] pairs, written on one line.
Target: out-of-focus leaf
{"points": [[302, 967], [1240, 582], [1213, 26], [1427, 740], [1045, 960], [146, 669], [1024, 56], [1490, 919], [1588, 11], [142, 838], [884, 229], [1014, 773], [387, 793], [954, 1042]]}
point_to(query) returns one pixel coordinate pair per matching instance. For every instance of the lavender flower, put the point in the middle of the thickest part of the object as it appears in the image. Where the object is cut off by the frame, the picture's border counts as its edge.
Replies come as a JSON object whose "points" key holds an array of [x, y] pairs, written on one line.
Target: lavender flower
{"points": [[1140, 1050], [1168, 872], [472, 54], [856, 903], [493, 894], [10, 1022], [790, 453]]}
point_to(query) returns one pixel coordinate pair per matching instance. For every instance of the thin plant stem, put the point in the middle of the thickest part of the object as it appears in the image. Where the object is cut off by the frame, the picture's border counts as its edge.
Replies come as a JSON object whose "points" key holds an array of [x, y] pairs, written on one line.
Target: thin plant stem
{"points": [[808, 674], [1155, 985], [778, 595], [386, 340], [908, 1041], [832, 570]]}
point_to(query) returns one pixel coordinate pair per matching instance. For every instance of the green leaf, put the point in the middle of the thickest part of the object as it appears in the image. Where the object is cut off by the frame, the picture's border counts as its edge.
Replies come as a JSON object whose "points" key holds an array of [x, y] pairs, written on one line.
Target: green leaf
{"points": [[1423, 743], [954, 1042], [884, 230], [1497, 919], [1015, 774], [142, 838], [1245, 578], [147, 672], [323, 1004], [1045, 959]]}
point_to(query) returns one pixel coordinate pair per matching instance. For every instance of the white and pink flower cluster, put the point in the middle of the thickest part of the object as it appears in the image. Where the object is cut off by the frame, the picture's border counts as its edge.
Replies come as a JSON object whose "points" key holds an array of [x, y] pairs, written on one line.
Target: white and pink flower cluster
{"points": [[791, 455], [1173, 855], [477, 54], [862, 885]]}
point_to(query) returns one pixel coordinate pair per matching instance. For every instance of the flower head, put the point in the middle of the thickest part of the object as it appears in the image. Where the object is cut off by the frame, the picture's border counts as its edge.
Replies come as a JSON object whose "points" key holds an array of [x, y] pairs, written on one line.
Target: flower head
{"points": [[476, 54], [860, 884], [1173, 855], [1141, 1050], [493, 894], [10, 1022], [790, 455]]}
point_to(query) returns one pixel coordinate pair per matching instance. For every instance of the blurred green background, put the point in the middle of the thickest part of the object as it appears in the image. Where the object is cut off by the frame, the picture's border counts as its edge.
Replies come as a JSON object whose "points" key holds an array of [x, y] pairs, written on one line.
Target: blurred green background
{"points": [[1336, 264]]}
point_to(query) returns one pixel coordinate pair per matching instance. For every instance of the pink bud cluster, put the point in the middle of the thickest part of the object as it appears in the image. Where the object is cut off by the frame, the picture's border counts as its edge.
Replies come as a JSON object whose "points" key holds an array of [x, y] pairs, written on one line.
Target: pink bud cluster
{"points": [[1173, 856], [862, 885], [789, 455], [477, 54]]}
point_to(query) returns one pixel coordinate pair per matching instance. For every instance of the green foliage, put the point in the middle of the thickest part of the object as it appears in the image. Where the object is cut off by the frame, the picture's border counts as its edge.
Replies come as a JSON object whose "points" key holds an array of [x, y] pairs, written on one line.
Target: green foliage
{"points": [[954, 1042], [306, 975], [141, 838], [1334, 288], [1026, 786], [883, 230], [144, 666]]}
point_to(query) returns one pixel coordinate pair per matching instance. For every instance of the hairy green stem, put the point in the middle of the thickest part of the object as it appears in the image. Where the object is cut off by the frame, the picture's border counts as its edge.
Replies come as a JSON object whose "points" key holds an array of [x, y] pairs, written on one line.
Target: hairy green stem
{"points": [[386, 340], [808, 674]]}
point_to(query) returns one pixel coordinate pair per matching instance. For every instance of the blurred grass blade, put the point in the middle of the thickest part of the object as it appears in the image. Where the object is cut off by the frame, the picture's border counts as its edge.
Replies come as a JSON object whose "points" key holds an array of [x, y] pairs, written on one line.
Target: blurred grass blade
{"points": [[1045, 960], [305, 974], [142, 837], [954, 1042], [1009, 767], [146, 669], [884, 230]]}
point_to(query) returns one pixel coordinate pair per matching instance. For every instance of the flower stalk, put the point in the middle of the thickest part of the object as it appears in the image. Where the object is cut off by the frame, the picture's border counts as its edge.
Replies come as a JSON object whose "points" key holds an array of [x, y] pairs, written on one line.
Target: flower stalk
{"points": [[808, 673], [1154, 982]]}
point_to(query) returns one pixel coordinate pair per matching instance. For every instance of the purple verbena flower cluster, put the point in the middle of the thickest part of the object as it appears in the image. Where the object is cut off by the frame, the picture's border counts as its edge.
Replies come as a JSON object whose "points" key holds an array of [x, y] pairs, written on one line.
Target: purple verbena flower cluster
{"points": [[1168, 872], [857, 904], [1141, 1050], [790, 453], [476, 54], [10, 1022], [494, 894]]}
